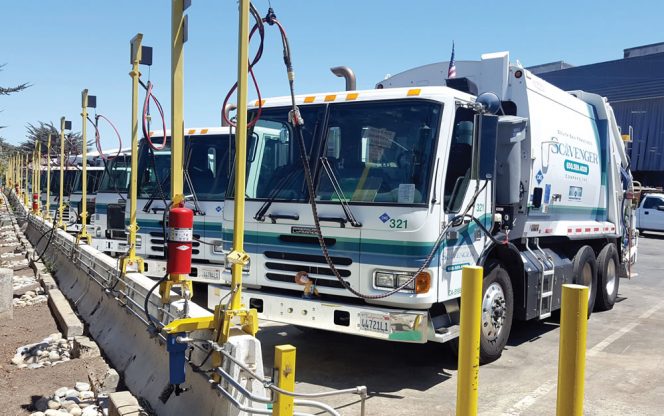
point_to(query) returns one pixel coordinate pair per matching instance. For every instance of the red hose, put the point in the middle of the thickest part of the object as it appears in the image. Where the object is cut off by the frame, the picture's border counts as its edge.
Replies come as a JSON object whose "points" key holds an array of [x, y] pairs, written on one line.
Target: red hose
{"points": [[98, 138], [146, 133]]}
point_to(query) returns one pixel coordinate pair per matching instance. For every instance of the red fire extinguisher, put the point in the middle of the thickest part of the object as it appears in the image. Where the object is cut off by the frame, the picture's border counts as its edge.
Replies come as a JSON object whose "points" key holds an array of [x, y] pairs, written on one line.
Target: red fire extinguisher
{"points": [[35, 202], [180, 235]]}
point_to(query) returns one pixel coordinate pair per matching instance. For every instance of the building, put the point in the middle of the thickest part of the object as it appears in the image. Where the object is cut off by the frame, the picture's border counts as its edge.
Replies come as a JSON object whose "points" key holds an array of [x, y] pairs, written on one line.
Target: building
{"points": [[634, 86]]}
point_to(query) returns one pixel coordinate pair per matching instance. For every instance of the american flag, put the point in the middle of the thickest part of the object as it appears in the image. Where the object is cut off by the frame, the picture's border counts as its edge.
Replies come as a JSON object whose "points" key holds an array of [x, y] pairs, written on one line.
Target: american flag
{"points": [[451, 71]]}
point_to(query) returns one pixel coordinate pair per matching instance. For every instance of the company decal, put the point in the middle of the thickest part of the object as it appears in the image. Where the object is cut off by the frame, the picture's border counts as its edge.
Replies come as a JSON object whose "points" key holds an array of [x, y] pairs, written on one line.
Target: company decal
{"points": [[539, 177], [575, 193], [574, 152], [456, 267], [576, 167], [547, 193], [304, 230], [384, 218], [218, 209]]}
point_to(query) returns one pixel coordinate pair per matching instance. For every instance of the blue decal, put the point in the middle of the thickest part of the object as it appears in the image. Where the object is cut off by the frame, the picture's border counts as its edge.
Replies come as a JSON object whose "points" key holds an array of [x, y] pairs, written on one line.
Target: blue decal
{"points": [[547, 193], [384, 217], [539, 177], [456, 267], [218, 209]]}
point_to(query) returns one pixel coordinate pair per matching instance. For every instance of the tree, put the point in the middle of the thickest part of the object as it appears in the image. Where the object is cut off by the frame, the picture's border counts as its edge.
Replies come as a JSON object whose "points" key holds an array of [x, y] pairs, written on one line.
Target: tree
{"points": [[11, 90], [40, 132]]}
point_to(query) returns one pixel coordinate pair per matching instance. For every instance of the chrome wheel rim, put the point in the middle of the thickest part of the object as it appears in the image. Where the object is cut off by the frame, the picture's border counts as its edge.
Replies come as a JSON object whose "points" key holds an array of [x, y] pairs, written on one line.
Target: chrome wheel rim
{"points": [[493, 311], [611, 278]]}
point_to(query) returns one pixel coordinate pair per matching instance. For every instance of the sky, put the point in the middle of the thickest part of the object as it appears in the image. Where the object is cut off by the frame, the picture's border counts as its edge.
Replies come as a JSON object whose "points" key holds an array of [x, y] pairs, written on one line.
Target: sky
{"points": [[62, 47]]}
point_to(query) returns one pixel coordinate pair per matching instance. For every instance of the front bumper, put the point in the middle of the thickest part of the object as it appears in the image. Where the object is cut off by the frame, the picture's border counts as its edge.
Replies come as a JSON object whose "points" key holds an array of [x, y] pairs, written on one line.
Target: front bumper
{"points": [[400, 325], [204, 273]]}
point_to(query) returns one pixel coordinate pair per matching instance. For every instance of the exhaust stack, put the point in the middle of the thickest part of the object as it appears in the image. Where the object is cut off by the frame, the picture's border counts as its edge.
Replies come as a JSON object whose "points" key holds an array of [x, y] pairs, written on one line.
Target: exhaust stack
{"points": [[347, 74]]}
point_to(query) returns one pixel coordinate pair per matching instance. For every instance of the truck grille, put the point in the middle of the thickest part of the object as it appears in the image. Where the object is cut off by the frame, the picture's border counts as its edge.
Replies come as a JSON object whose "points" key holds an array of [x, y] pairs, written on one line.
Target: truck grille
{"points": [[282, 267], [115, 217], [157, 243]]}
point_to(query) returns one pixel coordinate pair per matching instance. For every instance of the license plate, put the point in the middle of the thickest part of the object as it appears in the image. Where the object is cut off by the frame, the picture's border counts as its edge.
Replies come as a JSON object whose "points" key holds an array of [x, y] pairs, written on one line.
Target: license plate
{"points": [[374, 322], [210, 274]]}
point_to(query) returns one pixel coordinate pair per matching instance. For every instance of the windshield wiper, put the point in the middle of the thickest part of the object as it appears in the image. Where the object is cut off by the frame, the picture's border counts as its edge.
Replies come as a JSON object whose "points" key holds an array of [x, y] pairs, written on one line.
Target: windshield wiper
{"points": [[337, 189], [260, 214], [187, 178]]}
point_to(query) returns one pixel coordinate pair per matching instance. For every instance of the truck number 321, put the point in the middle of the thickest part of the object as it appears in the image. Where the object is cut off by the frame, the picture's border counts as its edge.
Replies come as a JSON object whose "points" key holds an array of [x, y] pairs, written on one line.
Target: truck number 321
{"points": [[396, 223]]}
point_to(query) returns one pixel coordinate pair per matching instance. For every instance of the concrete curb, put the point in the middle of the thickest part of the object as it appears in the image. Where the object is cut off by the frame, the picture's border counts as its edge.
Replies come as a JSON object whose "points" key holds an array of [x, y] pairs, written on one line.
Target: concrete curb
{"points": [[123, 404], [69, 323]]}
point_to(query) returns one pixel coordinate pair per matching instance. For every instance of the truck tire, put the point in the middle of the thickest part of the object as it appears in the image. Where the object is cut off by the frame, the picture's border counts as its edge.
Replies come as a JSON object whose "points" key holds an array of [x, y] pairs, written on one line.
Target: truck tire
{"points": [[607, 278], [585, 273], [497, 311]]}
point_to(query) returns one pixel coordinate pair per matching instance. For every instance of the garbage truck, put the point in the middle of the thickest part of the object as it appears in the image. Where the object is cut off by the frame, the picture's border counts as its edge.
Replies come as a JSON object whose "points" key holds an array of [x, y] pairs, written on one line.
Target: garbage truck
{"points": [[360, 219]]}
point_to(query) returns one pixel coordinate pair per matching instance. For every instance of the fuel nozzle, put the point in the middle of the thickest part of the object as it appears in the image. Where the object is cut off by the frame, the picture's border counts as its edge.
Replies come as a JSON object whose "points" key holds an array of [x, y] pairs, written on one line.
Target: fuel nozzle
{"points": [[270, 17]]}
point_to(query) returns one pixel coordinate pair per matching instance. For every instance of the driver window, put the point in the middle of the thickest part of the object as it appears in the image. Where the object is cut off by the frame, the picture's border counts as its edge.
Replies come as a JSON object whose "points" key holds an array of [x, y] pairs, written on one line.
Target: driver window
{"points": [[459, 160]]}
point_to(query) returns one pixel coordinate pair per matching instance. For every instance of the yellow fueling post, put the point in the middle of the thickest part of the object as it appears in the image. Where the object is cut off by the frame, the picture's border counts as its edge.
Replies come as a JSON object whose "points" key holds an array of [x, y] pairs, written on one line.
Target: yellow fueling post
{"points": [[61, 206], [572, 350], [47, 209], [83, 234], [178, 37], [38, 178], [131, 261], [284, 372], [469, 340], [26, 190], [221, 322]]}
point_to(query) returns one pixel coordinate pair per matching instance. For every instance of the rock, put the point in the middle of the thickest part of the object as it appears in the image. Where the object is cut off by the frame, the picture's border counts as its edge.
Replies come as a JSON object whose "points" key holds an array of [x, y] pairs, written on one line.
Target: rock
{"points": [[35, 365], [41, 404], [61, 391], [51, 412], [87, 395], [89, 411], [22, 366], [81, 386], [37, 414], [52, 404], [72, 393], [84, 347], [18, 359], [54, 356], [75, 411], [55, 337]]}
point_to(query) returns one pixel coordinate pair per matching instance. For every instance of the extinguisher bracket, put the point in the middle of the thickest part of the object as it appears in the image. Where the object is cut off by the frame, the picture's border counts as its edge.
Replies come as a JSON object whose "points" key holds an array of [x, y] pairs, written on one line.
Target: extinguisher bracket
{"points": [[237, 257]]}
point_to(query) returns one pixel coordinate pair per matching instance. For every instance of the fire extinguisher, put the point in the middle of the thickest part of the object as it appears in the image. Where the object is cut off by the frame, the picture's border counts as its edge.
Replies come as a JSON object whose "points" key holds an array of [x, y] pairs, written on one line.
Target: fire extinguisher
{"points": [[35, 203], [180, 234]]}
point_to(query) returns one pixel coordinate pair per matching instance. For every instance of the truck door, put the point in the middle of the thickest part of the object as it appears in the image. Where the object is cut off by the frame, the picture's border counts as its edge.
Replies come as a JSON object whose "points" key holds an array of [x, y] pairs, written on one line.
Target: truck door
{"points": [[650, 215]]}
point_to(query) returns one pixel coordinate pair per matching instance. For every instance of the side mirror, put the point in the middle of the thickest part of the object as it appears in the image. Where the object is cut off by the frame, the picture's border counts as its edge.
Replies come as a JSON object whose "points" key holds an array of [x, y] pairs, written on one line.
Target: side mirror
{"points": [[660, 208], [486, 134]]}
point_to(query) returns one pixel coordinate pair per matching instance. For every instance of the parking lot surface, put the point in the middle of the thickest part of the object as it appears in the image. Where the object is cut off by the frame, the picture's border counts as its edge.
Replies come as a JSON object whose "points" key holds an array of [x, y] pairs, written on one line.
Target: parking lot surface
{"points": [[624, 364]]}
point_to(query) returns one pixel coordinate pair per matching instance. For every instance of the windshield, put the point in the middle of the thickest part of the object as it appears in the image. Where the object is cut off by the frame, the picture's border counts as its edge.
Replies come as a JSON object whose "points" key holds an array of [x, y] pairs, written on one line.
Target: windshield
{"points": [[117, 175], [273, 164], [70, 177], [377, 152], [93, 179], [208, 168]]}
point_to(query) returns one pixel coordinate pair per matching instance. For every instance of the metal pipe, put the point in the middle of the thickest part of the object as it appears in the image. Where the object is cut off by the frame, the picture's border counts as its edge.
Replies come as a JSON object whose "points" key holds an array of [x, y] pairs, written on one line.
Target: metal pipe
{"points": [[572, 350], [347, 74], [469, 340], [227, 110], [251, 410], [317, 405], [241, 388]]}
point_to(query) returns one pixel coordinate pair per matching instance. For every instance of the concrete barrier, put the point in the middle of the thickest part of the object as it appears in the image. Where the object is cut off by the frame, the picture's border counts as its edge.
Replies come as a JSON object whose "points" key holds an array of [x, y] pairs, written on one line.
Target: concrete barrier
{"points": [[6, 294], [113, 312], [67, 320]]}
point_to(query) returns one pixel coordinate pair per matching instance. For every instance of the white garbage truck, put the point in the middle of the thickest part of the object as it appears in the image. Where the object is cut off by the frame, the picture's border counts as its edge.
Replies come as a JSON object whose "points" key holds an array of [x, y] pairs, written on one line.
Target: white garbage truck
{"points": [[413, 180]]}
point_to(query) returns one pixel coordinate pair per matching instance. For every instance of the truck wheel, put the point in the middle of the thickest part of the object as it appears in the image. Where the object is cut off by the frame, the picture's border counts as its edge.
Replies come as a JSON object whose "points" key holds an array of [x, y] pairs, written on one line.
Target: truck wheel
{"points": [[585, 273], [497, 311], [607, 278]]}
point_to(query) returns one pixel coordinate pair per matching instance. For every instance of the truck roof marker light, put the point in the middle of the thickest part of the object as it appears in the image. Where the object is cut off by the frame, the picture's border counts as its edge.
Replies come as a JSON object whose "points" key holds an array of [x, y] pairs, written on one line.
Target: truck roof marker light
{"points": [[422, 282], [259, 103], [151, 134], [309, 99], [204, 131], [191, 131], [330, 97], [352, 96], [414, 92]]}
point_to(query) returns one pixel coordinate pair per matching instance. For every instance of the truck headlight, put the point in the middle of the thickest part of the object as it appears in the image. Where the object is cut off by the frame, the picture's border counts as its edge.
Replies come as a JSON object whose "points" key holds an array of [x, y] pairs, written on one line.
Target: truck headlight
{"points": [[384, 279], [403, 278]]}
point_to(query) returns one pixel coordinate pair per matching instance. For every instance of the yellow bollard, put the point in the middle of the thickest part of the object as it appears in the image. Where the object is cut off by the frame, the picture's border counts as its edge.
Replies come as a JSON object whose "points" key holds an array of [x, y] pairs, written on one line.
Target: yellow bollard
{"points": [[572, 350], [284, 369], [469, 340]]}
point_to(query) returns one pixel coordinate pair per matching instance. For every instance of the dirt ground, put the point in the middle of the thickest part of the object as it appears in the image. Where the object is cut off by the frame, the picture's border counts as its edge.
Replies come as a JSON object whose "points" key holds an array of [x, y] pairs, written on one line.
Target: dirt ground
{"points": [[22, 387]]}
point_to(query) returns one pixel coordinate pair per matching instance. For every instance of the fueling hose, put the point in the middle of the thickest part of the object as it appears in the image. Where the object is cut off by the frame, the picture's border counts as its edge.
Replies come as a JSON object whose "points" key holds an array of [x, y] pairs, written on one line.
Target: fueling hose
{"points": [[258, 26], [146, 111], [95, 124]]}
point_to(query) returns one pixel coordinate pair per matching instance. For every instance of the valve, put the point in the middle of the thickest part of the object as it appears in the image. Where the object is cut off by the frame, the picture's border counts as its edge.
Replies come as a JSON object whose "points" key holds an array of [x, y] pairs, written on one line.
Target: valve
{"points": [[176, 366], [180, 236]]}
